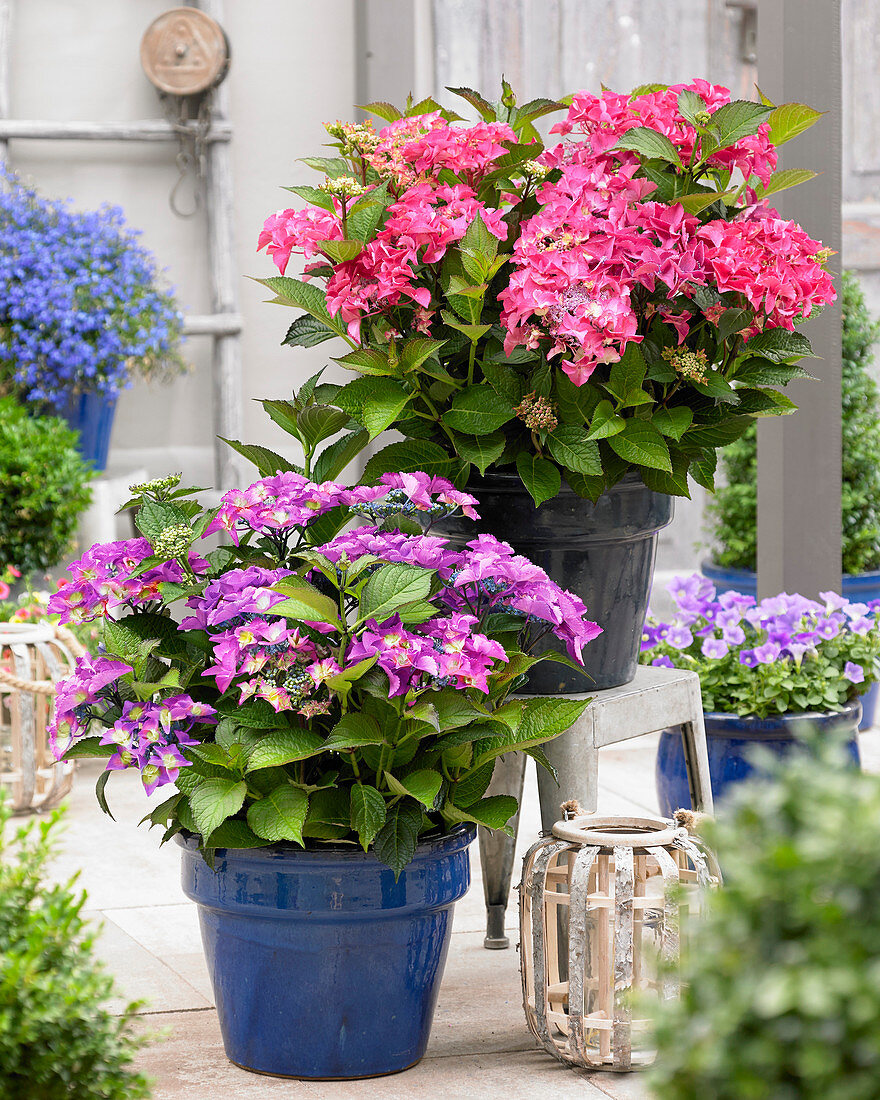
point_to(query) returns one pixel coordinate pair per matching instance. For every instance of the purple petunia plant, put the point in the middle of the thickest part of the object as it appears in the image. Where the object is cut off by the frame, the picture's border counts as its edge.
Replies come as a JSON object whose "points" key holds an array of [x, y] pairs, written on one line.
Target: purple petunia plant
{"points": [[312, 681], [82, 307], [787, 654]]}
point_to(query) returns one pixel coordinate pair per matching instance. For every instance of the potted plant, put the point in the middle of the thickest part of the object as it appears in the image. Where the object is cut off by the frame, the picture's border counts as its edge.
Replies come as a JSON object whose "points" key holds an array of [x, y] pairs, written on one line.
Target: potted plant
{"points": [[81, 311], [767, 670], [732, 512], [779, 992], [608, 311], [45, 487], [326, 713]]}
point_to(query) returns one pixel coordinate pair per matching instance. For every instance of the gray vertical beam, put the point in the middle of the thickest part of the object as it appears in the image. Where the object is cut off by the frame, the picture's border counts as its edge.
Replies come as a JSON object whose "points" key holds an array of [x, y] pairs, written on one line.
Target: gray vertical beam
{"points": [[225, 276], [5, 67], [799, 527], [385, 50]]}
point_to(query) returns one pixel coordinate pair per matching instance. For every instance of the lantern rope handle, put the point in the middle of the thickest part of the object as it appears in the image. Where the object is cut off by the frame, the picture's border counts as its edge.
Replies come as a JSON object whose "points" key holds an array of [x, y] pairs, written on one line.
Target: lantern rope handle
{"points": [[43, 687]]}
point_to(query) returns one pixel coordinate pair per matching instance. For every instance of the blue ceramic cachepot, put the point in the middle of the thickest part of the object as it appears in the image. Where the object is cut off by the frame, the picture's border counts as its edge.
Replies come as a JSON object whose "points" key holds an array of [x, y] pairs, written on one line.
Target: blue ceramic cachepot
{"points": [[322, 965], [730, 740], [856, 587], [91, 414]]}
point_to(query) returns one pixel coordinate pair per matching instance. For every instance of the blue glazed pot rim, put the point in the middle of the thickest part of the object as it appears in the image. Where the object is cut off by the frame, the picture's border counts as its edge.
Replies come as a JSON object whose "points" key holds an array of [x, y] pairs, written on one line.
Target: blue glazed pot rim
{"points": [[851, 712], [708, 567], [457, 838]]}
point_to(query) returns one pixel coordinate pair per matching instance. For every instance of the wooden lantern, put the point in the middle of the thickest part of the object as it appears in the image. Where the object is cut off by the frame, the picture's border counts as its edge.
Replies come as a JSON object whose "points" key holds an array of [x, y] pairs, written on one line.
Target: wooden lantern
{"points": [[32, 657], [596, 915]]}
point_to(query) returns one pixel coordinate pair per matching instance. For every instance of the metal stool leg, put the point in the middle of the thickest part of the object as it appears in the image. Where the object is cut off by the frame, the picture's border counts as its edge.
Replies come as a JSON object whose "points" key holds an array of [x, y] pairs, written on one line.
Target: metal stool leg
{"points": [[498, 850], [696, 757], [576, 761]]}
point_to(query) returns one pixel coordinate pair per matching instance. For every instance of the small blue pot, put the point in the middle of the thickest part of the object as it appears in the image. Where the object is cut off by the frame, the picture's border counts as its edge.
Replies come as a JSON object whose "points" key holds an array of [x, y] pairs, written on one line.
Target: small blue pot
{"points": [[730, 740], [91, 414], [856, 587], [322, 965]]}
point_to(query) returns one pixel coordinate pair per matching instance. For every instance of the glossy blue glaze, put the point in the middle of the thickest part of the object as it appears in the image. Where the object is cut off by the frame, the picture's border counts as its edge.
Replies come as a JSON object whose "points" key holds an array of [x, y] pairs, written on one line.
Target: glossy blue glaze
{"points": [[730, 740], [91, 414], [857, 587], [322, 965]]}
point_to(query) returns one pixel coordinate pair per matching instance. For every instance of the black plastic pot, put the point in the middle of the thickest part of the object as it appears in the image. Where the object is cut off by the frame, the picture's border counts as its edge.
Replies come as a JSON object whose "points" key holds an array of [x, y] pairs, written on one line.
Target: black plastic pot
{"points": [[603, 552]]}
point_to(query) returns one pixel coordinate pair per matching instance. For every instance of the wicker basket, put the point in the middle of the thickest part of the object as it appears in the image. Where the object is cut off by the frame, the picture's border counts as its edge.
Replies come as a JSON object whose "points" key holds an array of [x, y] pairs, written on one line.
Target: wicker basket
{"points": [[33, 656]]}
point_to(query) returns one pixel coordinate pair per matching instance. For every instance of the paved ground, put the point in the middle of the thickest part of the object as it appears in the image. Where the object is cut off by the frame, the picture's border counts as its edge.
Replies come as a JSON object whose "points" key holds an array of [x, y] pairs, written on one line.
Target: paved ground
{"points": [[479, 1045]]}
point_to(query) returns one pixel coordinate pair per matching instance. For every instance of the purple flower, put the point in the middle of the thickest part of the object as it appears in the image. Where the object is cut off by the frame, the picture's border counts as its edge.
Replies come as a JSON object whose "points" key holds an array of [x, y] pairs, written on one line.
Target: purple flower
{"points": [[748, 658], [714, 648], [679, 637], [767, 653], [662, 662], [833, 601], [861, 625], [828, 629], [853, 672]]}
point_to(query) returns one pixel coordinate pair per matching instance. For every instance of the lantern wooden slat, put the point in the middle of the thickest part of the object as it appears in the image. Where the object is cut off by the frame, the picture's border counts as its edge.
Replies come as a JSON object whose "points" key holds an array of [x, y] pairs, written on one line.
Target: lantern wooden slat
{"points": [[33, 656], [597, 911]]}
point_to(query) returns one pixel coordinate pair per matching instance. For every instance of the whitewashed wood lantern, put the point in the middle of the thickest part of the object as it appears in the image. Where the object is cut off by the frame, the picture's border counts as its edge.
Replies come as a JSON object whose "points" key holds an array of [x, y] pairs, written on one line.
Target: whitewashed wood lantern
{"points": [[32, 657], [597, 913]]}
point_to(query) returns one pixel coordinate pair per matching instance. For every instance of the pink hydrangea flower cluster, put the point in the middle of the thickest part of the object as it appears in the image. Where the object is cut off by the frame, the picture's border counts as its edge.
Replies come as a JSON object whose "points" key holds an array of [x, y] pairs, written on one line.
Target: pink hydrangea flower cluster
{"points": [[75, 695], [102, 580], [439, 653]]}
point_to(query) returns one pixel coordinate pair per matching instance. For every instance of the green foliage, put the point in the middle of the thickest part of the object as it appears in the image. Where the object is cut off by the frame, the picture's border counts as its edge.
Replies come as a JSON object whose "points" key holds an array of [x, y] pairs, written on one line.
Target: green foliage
{"points": [[45, 487], [732, 513], [780, 992], [57, 1040]]}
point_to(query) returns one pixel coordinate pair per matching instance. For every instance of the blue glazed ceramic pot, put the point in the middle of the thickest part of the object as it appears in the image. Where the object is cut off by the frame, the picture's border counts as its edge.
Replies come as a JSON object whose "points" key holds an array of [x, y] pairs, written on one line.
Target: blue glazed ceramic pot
{"points": [[91, 414], [730, 740], [856, 587], [322, 965]]}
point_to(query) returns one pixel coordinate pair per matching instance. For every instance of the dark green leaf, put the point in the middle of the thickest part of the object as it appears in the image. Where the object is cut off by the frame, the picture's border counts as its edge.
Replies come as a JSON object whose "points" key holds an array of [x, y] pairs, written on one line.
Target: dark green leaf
{"points": [[673, 422], [477, 409], [307, 331], [334, 459], [481, 450], [353, 731], [540, 476], [605, 422], [407, 457], [395, 843], [280, 815], [284, 747], [367, 813], [649, 143], [390, 587], [571, 448], [642, 444], [790, 119], [266, 461], [213, 800]]}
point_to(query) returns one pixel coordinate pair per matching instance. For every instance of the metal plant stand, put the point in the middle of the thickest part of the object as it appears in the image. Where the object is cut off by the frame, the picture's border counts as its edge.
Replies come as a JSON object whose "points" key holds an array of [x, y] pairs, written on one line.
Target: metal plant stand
{"points": [[656, 699]]}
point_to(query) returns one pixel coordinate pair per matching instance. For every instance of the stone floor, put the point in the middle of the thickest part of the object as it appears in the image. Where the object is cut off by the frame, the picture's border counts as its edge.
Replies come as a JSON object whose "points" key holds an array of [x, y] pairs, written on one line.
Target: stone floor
{"points": [[150, 941]]}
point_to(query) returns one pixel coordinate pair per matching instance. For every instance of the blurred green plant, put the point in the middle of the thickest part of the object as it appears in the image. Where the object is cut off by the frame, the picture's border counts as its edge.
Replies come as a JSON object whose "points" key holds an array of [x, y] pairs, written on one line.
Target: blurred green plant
{"points": [[781, 981], [733, 511], [45, 487], [57, 1041]]}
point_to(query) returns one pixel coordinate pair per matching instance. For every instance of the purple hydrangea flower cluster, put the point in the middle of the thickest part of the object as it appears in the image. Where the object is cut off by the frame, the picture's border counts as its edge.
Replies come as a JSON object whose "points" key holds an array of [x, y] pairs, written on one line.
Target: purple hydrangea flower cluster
{"points": [[79, 304], [102, 581], [786, 653]]}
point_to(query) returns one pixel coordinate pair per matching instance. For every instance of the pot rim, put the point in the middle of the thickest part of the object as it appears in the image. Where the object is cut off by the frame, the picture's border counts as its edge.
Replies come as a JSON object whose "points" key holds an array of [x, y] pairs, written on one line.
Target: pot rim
{"points": [[710, 564], [453, 840], [850, 711]]}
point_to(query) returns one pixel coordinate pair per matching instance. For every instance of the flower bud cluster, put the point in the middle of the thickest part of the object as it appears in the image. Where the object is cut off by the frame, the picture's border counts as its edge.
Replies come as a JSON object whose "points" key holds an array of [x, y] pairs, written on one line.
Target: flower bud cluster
{"points": [[691, 365], [537, 413]]}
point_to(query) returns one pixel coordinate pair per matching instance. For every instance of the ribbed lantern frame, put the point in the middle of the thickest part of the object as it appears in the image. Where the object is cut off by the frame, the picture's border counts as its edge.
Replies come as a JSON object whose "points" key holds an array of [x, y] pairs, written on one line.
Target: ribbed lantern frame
{"points": [[598, 907], [33, 656]]}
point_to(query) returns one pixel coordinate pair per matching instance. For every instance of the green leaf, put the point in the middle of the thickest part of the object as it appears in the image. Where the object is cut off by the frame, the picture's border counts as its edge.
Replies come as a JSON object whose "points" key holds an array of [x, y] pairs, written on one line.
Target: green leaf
{"points": [[761, 372], [491, 813], [699, 201], [342, 681], [284, 747], [375, 402], [390, 587], [590, 488], [781, 181], [280, 815], [154, 517], [395, 843], [477, 409], [472, 331], [367, 361], [478, 241], [307, 296], [305, 602], [790, 119], [674, 483], [319, 422], [337, 456], [423, 785], [481, 450], [482, 106], [642, 444], [504, 381], [383, 109], [353, 731], [733, 121], [733, 320], [571, 448], [407, 457], [690, 105], [214, 800], [329, 816], [283, 413], [626, 377], [540, 476], [716, 386], [673, 422], [233, 833], [313, 195], [702, 470], [779, 345], [454, 710], [254, 714], [88, 747], [649, 143], [367, 813], [415, 351], [101, 796], [266, 461], [605, 422], [366, 214], [307, 332], [716, 435], [341, 252]]}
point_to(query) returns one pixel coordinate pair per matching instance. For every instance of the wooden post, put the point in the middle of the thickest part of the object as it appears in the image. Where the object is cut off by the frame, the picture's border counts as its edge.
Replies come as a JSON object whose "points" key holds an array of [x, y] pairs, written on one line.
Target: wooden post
{"points": [[5, 67], [224, 275], [799, 524]]}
